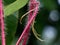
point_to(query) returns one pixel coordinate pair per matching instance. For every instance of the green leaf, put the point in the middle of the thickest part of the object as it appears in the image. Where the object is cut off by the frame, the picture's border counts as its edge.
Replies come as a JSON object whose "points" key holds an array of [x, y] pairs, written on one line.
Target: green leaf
{"points": [[7, 2], [11, 27], [14, 7]]}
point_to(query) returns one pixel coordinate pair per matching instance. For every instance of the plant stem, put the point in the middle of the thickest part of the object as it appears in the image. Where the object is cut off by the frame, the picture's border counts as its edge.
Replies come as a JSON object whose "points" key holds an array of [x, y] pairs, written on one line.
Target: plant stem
{"points": [[2, 23], [31, 17]]}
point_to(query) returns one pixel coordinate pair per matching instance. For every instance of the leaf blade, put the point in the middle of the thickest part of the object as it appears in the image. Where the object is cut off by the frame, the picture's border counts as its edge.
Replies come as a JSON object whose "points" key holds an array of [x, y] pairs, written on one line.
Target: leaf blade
{"points": [[14, 7]]}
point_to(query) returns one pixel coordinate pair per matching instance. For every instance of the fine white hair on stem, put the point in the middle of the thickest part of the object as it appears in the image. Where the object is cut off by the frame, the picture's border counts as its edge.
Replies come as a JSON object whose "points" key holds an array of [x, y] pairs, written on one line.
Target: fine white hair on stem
{"points": [[31, 17]]}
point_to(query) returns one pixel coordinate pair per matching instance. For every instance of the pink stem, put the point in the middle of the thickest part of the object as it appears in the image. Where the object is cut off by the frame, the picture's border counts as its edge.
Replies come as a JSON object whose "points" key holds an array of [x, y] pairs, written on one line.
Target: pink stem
{"points": [[31, 6], [25, 39], [2, 23], [27, 28]]}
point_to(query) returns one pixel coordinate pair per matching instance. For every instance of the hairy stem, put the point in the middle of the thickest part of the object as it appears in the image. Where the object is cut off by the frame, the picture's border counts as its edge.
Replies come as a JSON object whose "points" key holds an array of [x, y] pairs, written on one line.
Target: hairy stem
{"points": [[2, 23], [33, 4]]}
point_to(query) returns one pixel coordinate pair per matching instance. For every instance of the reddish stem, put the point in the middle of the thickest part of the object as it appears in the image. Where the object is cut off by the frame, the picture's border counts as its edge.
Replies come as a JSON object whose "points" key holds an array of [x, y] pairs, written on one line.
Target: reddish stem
{"points": [[2, 23], [25, 39], [31, 17], [31, 6]]}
